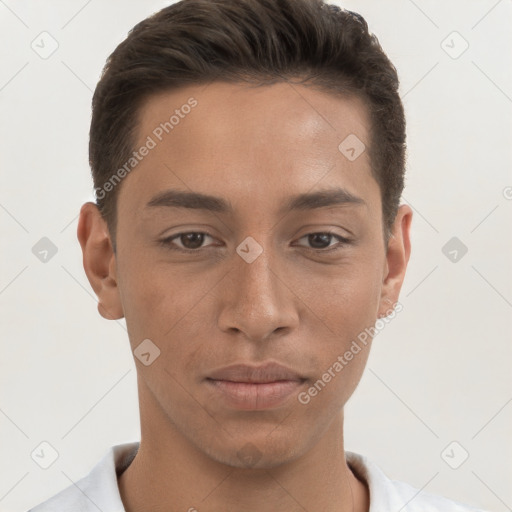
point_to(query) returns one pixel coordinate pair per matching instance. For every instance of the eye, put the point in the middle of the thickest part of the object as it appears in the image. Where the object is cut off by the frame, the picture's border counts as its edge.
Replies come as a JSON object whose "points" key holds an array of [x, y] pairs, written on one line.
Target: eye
{"points": [[321, 241], [193, 241], [186, 242]]}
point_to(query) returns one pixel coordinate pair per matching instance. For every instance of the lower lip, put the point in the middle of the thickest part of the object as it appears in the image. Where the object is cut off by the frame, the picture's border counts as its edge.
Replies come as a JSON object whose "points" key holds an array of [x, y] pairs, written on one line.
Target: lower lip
{"points": [[255, 396]]}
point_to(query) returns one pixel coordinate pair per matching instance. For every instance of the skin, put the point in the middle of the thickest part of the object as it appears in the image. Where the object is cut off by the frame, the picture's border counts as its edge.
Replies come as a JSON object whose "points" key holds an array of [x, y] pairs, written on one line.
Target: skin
{"points": [[254, 147]]}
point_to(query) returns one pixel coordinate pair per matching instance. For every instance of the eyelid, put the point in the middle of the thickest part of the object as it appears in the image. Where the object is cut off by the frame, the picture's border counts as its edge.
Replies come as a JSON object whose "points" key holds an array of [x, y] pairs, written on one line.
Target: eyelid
{"points": [[341, 238]]}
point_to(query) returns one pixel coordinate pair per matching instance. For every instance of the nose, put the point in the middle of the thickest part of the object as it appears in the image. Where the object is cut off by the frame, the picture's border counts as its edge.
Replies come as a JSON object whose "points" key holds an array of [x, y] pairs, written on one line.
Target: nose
{"points": [[257, 300]]}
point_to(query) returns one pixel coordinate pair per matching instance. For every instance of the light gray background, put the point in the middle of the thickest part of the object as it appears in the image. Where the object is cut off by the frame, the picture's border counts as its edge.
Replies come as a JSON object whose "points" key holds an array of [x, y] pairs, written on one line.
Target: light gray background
{"points": [[440, 372]]}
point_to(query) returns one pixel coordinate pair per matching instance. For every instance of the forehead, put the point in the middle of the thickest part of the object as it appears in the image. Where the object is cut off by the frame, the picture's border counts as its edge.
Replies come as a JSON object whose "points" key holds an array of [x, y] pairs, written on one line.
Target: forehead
{"points": [[250, 143]]}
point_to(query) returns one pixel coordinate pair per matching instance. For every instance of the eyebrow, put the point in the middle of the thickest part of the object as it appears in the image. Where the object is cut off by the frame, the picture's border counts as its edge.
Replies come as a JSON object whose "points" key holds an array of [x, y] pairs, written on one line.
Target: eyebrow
{"points": [[300, 202]]}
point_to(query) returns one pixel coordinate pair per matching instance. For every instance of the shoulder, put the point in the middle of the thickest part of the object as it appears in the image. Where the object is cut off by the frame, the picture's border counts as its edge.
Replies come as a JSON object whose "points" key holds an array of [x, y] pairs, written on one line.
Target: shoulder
{"points": [[387, 494], [96, 491], [70, 499], [420, 501]]}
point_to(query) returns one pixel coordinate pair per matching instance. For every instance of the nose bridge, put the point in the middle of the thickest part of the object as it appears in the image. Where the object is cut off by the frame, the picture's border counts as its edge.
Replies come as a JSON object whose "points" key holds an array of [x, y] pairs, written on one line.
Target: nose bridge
{"points": [[258, 302], [256, 278]]}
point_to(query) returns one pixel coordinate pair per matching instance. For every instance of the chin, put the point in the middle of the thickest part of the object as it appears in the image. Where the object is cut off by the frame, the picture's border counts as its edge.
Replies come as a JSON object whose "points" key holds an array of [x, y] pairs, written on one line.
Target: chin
{"points": [[257, 452]]}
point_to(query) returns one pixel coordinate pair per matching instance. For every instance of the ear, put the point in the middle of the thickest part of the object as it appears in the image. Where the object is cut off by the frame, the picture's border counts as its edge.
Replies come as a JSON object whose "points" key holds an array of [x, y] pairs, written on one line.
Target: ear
{"points": [[397, 257], [99, 261]]}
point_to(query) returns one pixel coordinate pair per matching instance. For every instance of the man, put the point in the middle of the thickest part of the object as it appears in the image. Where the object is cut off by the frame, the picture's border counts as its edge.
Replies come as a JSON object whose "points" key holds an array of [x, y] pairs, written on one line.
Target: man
{"points": [[248, 160]]}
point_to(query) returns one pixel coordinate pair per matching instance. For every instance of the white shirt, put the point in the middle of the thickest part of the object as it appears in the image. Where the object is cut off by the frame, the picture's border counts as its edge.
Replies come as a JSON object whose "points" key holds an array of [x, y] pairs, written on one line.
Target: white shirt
{"points": [[99, 490]]}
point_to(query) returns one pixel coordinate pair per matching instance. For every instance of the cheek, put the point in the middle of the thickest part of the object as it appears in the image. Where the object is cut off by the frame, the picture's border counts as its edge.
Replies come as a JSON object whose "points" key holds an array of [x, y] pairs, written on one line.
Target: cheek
{"points": [[165, 306], [147, 294], [342, 312], [142, 299], [341, 328], [336, 381], [344, 300]]}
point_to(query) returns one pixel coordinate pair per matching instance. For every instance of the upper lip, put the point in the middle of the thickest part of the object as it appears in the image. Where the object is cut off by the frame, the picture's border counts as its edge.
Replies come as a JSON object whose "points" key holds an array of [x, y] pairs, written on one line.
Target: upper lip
{"points": [[268, 372]]}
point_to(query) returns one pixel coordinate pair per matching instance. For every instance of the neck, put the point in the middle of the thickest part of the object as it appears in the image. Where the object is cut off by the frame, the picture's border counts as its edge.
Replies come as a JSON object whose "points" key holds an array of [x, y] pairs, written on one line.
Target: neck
{"points": [[171, 473]]}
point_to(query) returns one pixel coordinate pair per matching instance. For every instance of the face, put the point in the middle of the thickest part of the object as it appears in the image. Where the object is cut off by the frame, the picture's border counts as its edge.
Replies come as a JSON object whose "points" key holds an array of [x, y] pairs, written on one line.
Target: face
{"points": [[285, 262]]}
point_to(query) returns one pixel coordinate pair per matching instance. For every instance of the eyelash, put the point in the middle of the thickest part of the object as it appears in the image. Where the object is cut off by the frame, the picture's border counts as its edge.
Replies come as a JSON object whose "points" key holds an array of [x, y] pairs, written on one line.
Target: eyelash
{"points": [[168, 242]]}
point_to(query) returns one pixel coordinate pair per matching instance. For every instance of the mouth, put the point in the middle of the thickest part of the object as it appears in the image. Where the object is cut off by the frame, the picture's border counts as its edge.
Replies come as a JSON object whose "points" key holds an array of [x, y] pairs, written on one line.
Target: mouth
{"points": [[255, 395], [262, 374], [261, 387]]}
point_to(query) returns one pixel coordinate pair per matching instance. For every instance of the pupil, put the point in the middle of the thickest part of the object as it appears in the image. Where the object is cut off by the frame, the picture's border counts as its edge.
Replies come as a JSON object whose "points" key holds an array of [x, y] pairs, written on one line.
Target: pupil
{"points": [[324, 236], [196, 240]]}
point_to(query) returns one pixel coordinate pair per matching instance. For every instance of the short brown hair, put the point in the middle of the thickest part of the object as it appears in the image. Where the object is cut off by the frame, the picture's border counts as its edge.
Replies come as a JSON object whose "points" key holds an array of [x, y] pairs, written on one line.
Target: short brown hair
{"points": [[260, 41]]}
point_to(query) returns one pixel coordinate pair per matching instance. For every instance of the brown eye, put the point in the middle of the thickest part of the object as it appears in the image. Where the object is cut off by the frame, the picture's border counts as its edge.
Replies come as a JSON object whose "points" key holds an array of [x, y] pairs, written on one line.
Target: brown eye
{"points": [[320, 240], [191, 241], [323, 241]]}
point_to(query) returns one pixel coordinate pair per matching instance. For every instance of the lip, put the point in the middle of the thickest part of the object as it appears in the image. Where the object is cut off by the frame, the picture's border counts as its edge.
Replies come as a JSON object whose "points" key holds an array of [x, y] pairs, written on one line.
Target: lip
{"points": [[268, 372], [255, 387]]}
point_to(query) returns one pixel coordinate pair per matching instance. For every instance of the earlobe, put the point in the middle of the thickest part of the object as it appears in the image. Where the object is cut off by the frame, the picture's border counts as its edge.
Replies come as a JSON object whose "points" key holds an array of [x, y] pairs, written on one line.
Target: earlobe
{"points": [[99, 261], [397, 258]]}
